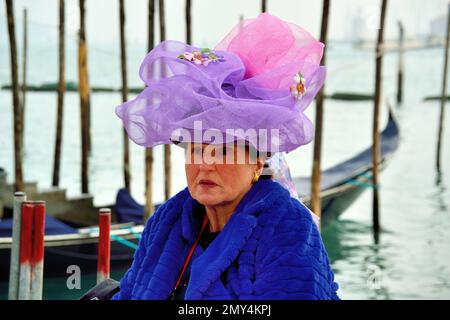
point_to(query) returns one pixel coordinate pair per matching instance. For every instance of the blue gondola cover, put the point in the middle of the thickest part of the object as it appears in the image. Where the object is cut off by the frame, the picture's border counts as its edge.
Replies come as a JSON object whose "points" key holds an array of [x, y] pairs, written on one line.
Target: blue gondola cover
{"points": [[52, 226]]}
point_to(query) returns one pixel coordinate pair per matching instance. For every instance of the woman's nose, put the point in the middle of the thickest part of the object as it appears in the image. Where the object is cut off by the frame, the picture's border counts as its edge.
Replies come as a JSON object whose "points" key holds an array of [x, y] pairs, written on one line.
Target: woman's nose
{"points": [[206, 165]]}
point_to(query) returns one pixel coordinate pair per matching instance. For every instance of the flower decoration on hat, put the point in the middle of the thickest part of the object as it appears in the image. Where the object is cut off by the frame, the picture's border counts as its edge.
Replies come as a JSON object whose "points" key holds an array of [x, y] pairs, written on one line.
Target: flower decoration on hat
{"points": [[298, 89], [201, 57]]}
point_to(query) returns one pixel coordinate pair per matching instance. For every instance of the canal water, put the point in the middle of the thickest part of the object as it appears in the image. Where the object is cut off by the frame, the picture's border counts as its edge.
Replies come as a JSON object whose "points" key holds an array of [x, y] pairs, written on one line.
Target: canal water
{"points": [[410, 260]]}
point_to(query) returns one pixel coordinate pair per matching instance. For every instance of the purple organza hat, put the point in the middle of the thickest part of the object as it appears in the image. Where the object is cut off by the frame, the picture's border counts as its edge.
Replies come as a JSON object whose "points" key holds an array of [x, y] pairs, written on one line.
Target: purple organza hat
{"points": [[254, 85]]}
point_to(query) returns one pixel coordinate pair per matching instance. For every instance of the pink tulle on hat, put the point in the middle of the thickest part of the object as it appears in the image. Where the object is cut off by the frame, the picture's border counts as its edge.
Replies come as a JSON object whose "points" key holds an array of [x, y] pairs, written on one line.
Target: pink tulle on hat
{"points": [[266, 43]]}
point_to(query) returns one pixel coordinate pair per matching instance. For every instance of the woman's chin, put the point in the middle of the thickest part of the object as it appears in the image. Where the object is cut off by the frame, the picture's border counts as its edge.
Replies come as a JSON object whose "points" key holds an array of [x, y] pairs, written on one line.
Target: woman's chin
{"points": [[207, 198]]}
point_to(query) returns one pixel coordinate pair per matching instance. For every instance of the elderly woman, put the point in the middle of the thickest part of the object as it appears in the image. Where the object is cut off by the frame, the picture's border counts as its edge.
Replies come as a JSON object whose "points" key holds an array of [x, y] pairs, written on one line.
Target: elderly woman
{"points": [[234, 232]]}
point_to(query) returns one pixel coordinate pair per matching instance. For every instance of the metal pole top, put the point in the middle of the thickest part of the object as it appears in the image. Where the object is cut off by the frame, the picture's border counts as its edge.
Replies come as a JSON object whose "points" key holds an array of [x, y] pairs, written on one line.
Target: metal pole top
{"points": [[104, 211], [35, 202]]}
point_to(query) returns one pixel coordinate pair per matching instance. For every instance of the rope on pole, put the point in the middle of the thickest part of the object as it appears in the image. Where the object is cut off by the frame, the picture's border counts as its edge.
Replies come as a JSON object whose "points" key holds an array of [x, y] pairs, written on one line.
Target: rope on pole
{"points": [[125, 242]]}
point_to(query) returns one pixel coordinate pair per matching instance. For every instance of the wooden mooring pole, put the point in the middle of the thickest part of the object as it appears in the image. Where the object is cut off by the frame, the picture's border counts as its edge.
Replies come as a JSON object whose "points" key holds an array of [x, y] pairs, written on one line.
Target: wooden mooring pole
{"points": [[83, 88], [316, 169], [188, 16], [149, 208], [167, 147], [60, 99], [376, 147], [123, 62], [443, 97], [401, 52], [263, 5], [24, 73], [18, 182]]}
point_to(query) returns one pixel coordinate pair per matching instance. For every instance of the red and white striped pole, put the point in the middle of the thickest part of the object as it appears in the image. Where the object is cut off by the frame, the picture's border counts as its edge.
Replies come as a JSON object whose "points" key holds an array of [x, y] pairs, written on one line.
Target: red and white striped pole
{"points": [[31, 255], [37, 257], [26, 238], [104, 244], [14, 266]]}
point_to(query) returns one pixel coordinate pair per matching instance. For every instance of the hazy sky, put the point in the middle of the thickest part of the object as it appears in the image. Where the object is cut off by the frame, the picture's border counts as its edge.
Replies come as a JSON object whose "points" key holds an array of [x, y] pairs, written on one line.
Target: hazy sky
{"points": [[213, 18]]}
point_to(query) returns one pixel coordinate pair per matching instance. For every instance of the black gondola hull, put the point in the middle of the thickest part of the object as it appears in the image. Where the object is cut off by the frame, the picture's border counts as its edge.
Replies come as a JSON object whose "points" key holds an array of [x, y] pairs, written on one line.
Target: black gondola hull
{"points": [[57, 259]]}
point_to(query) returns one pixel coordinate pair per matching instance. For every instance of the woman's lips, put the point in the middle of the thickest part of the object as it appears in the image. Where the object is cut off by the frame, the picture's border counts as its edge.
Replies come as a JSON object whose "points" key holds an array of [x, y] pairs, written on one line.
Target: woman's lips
{"points": [[207, 183]]}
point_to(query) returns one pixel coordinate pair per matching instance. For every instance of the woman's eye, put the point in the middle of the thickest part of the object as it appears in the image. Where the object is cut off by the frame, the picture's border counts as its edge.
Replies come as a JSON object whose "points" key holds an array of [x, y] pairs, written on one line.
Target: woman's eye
{"points": [[227, 150], [197, 151]]}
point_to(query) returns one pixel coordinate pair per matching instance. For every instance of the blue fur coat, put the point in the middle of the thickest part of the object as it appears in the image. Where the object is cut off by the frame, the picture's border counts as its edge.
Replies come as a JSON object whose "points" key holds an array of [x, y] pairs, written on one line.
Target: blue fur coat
{"points": [[269, 249]]}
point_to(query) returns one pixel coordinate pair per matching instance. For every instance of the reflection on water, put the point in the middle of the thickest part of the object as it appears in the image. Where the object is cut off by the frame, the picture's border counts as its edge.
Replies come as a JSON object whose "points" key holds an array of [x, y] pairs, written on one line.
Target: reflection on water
{"points": [[438, 194], [410, 260], [350, 242]]}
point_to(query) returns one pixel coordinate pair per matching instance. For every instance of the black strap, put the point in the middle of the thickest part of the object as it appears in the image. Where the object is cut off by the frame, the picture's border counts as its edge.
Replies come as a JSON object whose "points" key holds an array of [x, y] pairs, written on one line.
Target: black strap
{"points": [[103, 291]]}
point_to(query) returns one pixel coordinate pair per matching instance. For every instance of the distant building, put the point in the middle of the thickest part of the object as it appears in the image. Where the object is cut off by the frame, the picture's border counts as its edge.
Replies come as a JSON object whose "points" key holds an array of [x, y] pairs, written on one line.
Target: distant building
{"points": [[357, 28], [438, 27]]}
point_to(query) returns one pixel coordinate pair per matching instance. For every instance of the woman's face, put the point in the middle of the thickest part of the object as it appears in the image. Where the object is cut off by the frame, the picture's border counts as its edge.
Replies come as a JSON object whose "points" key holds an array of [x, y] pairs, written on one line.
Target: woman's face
{"points": [[221, 174]]}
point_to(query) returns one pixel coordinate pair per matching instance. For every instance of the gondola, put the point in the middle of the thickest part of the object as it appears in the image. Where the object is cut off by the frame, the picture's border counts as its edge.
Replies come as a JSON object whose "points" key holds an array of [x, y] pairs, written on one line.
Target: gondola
{"points": [[66, 245], [342, 184]]}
